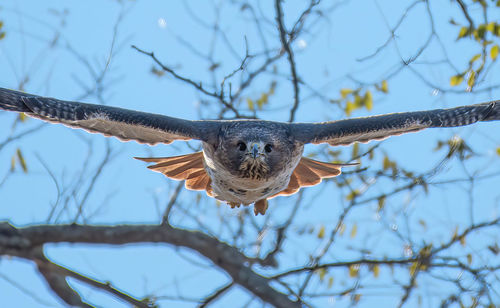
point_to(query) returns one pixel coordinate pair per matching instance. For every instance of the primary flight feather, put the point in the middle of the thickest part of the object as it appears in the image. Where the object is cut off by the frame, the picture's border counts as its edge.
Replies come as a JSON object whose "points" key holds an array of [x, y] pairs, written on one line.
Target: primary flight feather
{"points": [[243, 161]]}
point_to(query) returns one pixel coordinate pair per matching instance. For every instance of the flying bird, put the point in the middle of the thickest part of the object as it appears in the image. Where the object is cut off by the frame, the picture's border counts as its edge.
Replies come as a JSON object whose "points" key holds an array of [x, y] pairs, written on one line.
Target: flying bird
{"points": [[242, 161]]}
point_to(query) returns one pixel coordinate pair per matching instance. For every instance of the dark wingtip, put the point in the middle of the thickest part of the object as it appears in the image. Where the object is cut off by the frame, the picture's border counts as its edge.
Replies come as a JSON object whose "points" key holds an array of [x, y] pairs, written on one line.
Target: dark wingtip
{"points": [[12, 101], [493, 112]]}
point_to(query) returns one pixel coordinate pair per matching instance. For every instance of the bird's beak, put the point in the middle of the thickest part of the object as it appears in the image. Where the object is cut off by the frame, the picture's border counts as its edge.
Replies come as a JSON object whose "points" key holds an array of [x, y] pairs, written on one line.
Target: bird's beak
{"points": [[255, 150]]}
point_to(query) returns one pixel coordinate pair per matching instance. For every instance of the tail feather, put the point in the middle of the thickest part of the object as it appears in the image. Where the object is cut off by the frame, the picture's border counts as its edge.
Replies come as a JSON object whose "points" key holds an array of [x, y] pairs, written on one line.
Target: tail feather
{"points": [[172, 159], [293, 187], [177, 167], [322, 169], [196, 174], [198, 182], [310, 172], [306, 176], [179, 171], [209, 187], [184, 167]]}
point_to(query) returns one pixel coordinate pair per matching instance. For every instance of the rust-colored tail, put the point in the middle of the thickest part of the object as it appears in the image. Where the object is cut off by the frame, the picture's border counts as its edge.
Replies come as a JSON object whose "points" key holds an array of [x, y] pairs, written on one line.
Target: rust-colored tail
{"points": [[187, 167], [310, 172]]}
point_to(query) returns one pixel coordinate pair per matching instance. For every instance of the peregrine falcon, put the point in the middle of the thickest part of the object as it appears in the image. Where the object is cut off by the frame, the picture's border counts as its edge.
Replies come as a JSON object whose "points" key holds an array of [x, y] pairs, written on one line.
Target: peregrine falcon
{"points": [[242, 161]]}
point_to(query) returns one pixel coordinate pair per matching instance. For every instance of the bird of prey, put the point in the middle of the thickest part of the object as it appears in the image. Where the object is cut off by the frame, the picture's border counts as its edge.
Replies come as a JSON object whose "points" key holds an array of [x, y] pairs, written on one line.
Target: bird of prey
{"points": [[243, 161]]}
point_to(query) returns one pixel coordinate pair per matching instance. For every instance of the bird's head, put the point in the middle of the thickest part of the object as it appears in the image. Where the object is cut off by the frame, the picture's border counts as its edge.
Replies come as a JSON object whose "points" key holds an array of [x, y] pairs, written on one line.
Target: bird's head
{"points": [[257, 151], [254, 158]]}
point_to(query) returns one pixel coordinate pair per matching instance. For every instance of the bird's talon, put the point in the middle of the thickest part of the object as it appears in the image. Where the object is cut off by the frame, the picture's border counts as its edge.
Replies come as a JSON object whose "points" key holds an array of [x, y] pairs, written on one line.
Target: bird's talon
{"points": [[234, 204], [260, 207]]}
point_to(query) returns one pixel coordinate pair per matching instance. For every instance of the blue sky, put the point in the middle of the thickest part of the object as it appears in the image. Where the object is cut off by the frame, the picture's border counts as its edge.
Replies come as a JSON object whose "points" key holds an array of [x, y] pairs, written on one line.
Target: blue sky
{"points": [[129, 193]]}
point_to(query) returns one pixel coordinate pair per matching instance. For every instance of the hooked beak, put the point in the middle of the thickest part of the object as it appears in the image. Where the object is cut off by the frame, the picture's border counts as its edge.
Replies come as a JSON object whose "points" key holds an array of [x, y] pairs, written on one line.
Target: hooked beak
{"points": [[254, 150]]}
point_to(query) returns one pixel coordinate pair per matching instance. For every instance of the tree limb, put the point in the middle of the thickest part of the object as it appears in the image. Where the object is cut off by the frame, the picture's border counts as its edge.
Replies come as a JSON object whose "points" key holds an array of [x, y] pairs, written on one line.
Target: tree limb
{"points": [[221, 254]]}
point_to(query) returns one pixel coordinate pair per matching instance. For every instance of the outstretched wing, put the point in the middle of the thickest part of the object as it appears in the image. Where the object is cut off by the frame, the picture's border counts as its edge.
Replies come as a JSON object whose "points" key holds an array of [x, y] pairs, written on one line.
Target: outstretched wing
{"points": [[345, 132], [111, 121]]}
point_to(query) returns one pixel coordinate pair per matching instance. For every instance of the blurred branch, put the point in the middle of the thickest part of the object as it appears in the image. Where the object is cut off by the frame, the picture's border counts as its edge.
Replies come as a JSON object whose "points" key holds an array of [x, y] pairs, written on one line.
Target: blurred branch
{"points": [[463, 7], [345, 264], [392, 31], [299, 24], [171, 203], [270, 258], [286, 46], [20, 135], [214, 296], [27, 290], [93, 180], [197, 86]]}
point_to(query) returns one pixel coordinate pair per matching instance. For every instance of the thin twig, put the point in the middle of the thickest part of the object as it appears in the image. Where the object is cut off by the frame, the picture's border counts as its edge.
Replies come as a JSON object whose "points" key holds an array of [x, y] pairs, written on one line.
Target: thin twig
{"points": [[197, 86], [215, 295], [286, 46]]}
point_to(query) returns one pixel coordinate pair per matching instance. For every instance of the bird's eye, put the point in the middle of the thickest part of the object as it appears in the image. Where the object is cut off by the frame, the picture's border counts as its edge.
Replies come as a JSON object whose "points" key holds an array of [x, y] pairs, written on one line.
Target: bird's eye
{"points": [[241, 146], [268, 148]]}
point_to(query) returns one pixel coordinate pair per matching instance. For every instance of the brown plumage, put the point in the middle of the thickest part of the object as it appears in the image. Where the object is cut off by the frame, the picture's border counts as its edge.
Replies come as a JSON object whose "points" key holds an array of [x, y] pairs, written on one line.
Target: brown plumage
{"points": [[310, 172], [243, 161], [191, 168], [188, 167]]}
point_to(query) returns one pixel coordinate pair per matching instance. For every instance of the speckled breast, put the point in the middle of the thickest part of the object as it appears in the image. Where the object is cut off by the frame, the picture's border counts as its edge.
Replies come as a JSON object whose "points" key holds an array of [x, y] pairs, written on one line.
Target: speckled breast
{"points": [[232, 188]]}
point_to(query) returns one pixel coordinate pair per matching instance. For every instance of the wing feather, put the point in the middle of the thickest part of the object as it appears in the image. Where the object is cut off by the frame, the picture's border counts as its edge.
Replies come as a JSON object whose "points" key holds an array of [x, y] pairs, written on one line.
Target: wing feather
{"points": [[310, 172], [345, 132], [305, 176], [110, 121], [293, 187], [187, 167], [199, 182], [172, 159], [153, 128], [177, 167]]}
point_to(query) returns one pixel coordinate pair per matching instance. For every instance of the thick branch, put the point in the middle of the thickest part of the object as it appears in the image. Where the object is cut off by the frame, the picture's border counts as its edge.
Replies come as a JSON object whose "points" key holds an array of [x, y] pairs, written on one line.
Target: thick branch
{"points": [[221, 254], [59, 274], [60, 286]]}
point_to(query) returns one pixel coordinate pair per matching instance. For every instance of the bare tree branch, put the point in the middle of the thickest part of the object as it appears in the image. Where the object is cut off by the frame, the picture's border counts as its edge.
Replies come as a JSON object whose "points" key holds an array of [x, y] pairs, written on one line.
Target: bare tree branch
{"points": [[60, 286], [464, 9], [215, 295], [59, 274], [286, 46], [196, 85], [226, 257]]}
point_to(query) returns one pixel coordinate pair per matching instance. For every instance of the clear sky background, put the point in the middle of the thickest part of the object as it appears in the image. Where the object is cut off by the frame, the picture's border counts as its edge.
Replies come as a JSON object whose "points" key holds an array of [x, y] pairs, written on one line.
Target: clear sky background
{"points": [[129, 193]]}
